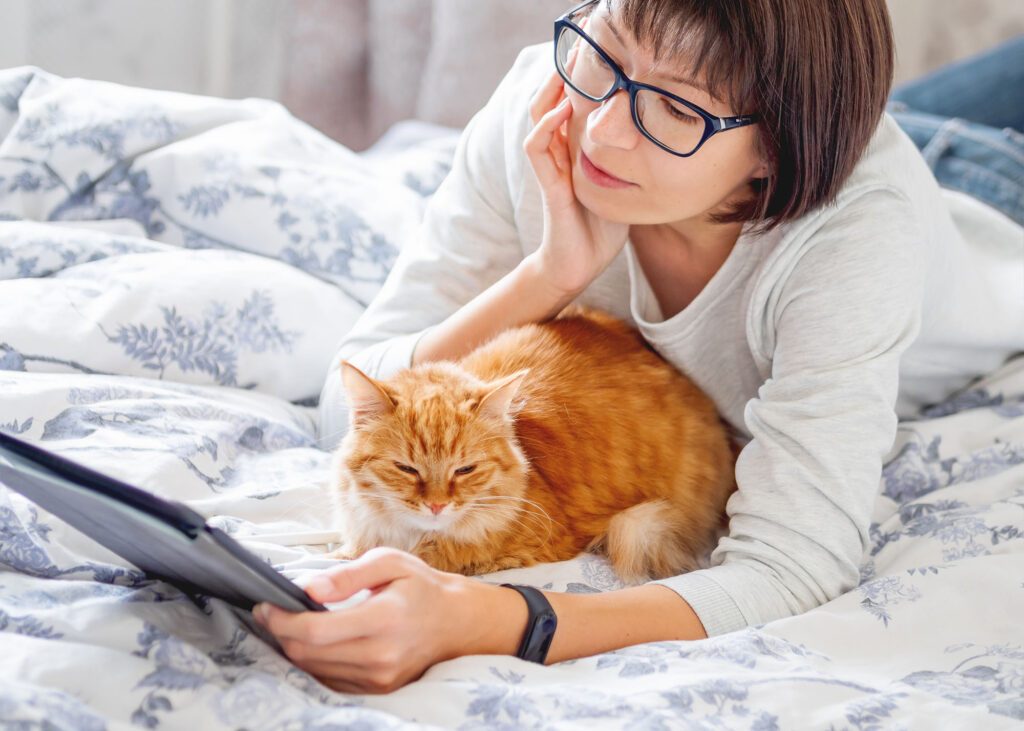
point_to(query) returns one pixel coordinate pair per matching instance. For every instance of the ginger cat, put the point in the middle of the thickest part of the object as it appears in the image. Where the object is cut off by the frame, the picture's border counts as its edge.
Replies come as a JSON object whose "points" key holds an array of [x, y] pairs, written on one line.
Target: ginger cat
{"points": [[548, 440]]}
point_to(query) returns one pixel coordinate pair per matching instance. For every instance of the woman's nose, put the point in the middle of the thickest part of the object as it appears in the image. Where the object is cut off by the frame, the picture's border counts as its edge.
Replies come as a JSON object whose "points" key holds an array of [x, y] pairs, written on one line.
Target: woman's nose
{"points": [[611, 124]]}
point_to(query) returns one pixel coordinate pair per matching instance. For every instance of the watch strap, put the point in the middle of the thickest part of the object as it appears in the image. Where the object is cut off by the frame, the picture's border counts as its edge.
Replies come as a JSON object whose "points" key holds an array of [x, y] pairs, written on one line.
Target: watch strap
{"points": [[540, 625]]}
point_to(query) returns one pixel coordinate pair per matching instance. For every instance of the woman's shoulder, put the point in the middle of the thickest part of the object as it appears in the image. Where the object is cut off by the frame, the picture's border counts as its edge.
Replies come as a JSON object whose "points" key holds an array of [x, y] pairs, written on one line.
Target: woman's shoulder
{"points": [[891, 182], [489, 163], [873, 239], [494, 138], [512, 96], [889, 205], [505, 119], [893, 162]]}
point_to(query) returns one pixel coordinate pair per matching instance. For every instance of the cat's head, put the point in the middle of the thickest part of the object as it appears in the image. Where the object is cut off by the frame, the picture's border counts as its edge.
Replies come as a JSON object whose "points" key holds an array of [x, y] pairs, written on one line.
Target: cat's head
{"points": [[434, 448]]}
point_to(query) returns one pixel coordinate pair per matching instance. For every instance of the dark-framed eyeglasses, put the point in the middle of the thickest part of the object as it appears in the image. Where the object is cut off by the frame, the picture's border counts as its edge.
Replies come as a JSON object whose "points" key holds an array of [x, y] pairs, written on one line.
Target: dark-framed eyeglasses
{"points": [[673, 123]]}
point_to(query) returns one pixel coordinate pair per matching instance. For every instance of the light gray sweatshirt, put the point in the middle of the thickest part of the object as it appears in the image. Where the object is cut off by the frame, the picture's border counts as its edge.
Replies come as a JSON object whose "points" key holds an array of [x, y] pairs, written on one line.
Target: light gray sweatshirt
{"points": [[812, 339]]}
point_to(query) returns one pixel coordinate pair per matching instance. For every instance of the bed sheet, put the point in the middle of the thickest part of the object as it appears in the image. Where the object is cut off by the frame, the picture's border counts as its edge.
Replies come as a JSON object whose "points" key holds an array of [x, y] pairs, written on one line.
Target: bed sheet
{"points": [[175, 272]]}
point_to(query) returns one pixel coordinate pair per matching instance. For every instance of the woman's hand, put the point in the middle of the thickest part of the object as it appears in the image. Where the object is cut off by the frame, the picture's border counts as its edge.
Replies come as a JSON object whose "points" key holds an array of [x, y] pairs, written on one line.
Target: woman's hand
{"points": [[577, 245], [416, 616]]}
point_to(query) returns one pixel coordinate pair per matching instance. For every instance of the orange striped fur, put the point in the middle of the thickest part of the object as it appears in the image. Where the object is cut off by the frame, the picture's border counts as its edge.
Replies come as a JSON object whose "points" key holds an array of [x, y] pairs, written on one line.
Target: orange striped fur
{"points": [[572, 435]]}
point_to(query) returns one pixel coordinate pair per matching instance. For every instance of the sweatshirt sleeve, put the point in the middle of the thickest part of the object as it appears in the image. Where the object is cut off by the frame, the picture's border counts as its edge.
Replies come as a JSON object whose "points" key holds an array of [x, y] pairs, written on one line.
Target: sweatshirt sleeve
{"points": [[467, 241], [837, 323]]}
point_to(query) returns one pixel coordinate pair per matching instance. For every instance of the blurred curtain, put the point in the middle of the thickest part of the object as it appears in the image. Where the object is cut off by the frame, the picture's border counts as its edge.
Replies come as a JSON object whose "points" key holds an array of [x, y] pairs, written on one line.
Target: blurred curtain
{"points": [[351, 68], [358, 66]]}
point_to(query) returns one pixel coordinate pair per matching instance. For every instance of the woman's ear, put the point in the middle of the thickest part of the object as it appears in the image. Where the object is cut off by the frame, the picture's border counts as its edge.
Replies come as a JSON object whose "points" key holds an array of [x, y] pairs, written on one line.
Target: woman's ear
{"points": [[763, 169]]}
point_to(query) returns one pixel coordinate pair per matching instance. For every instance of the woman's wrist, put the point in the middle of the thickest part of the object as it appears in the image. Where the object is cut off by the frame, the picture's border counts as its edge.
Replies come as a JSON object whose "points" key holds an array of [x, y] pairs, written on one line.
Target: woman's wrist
{"points": [[554, 290], [490, 619]]}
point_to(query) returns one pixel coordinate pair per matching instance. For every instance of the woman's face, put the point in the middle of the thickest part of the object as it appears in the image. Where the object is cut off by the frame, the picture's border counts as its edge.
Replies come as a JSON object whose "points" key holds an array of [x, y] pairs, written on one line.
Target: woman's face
{"points": [[663, 188]]}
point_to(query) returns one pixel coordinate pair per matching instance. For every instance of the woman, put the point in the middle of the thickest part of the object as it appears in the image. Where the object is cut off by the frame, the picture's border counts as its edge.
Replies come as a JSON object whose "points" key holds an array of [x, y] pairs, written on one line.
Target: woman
{"points": [[751, 208]]}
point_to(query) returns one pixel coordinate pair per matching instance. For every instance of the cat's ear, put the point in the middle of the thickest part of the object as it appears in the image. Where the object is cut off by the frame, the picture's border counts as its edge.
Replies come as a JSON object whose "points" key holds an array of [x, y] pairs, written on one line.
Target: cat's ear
{"points": [[499, 397], [366, 398]]}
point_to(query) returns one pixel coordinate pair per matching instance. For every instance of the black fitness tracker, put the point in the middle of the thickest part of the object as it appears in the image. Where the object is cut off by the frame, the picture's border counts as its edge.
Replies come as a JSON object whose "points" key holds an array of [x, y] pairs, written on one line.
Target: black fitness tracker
{"points": [[540, 626]]}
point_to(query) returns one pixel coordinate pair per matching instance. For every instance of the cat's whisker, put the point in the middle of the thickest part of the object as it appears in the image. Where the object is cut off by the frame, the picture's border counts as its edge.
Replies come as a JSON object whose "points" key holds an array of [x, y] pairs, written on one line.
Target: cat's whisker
{"points": [[543, 523], [538, 506], [495, 505], [385, 499], [491, 499], [320, 438], [501, 508], [513, 517], [499, 499]]}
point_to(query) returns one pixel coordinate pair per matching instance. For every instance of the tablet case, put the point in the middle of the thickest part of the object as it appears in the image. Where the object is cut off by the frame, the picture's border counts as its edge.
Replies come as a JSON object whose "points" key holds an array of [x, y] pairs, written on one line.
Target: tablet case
{"points": [[166, 539]]}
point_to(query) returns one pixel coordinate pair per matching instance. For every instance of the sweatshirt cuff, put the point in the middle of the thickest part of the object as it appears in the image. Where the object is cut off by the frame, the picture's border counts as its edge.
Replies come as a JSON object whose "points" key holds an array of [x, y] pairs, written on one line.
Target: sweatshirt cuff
{"points": [[385, 359], [712, 604]]}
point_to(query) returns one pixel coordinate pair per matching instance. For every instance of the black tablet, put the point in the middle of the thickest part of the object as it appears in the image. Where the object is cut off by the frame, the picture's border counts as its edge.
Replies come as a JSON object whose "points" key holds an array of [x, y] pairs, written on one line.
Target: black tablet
{"points": [[166, 539]]}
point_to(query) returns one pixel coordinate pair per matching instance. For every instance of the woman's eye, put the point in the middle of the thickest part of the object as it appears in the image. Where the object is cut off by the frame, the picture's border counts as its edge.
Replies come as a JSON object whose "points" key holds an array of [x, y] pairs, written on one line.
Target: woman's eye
{"points": [[406, 468], [679, 113], [465, 470]]}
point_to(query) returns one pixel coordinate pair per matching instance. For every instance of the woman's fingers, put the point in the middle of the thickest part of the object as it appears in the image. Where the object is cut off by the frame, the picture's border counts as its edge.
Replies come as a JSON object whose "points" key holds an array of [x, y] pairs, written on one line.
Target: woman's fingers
{"points": [[546, 97], [570, 61], [348, 657], [376, 567], [546, 145], [321, 628], [560, 148], [549, 165], [361, 679], [552, 90]]}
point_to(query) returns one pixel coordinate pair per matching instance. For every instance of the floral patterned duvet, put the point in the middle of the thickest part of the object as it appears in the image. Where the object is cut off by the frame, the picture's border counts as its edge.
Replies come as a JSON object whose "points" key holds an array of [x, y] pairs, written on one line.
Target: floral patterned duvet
{"points": [[175, 273]]}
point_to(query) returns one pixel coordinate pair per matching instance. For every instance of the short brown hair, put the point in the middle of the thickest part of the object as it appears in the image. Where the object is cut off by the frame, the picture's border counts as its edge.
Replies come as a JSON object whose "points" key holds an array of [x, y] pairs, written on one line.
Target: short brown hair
{"points": [[818, 72]]}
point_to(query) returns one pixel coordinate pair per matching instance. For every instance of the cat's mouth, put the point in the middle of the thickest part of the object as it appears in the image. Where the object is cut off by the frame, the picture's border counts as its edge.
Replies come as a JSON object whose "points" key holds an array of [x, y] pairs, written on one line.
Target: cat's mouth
{"points": [[434, 522]]}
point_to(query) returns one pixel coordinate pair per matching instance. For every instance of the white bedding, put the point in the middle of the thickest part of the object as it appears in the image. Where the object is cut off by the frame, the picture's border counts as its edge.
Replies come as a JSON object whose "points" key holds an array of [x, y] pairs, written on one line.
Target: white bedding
{"points": [[175, 272]]}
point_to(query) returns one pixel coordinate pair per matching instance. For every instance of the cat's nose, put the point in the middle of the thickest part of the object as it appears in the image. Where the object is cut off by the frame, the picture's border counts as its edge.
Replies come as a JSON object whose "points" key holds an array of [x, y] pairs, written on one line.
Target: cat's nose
{"points": [[436, 508]]}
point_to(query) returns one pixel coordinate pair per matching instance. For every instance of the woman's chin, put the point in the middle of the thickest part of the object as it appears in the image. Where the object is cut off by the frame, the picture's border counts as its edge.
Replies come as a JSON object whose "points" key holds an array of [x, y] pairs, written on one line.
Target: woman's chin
{"points": [[610, 204]]}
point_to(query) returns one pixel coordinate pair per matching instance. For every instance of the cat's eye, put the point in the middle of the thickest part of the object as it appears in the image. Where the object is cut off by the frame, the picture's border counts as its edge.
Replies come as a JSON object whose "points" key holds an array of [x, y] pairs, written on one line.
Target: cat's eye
{"points": [[465, 470], [406, 468]]}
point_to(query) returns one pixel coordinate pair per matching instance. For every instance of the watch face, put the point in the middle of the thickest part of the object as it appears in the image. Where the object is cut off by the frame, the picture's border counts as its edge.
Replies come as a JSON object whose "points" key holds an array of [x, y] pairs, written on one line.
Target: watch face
{"points": [[540, 639], [541, 625]]}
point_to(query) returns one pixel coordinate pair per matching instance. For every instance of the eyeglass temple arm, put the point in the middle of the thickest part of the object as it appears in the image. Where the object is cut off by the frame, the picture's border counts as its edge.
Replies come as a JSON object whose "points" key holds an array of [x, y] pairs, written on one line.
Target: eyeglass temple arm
{"points": [[730, 122], [579, 8]]}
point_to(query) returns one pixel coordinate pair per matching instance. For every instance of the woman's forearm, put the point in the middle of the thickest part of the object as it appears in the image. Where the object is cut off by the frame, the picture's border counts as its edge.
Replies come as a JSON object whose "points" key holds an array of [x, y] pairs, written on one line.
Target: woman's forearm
{"points": [[588, 624], [522, 296]]}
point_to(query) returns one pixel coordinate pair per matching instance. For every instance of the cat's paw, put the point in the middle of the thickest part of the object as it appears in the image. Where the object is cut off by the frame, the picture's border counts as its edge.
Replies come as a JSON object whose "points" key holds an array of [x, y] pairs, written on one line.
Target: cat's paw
{"points": [[501, 564], [440, 557], [431, 555]]}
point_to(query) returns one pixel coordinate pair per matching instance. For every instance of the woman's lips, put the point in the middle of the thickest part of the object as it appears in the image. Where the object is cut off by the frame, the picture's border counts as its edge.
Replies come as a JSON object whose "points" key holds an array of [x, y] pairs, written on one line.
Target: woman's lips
{"points": [[599, 177]]}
